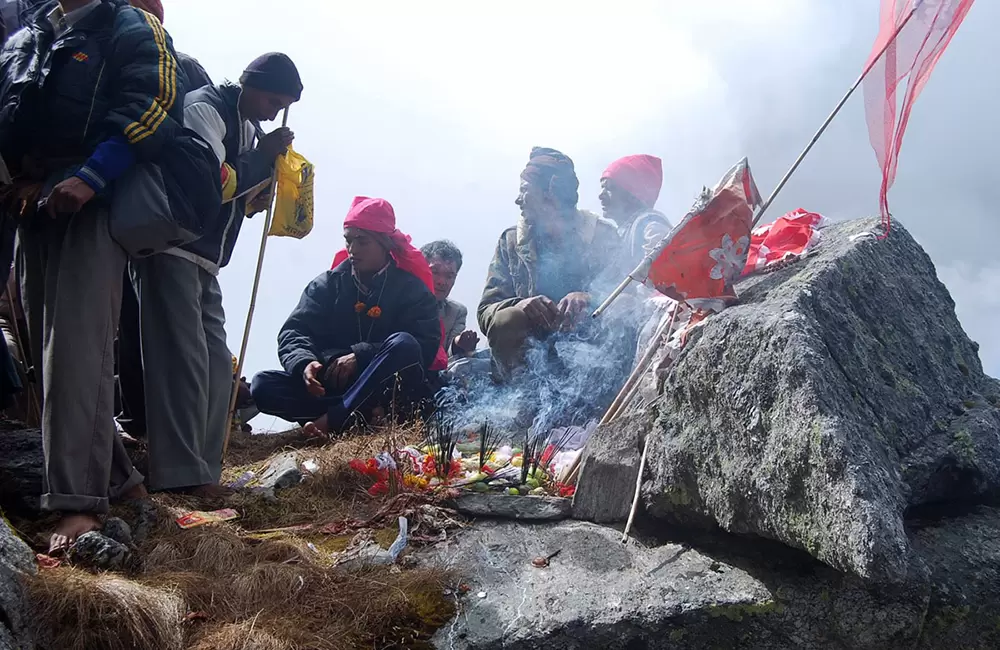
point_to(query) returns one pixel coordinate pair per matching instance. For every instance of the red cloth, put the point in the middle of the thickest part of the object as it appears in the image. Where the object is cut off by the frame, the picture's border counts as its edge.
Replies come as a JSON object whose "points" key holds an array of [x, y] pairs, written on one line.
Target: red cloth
{"points": [[702, 257], [911, 58], [377, 215], [789, 237], [154, 7], [640, 175]]}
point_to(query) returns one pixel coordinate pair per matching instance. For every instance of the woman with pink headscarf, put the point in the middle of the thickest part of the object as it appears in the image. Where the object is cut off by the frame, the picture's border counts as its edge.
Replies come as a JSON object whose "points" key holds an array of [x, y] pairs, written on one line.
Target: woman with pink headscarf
{"points": [[362, 332]]}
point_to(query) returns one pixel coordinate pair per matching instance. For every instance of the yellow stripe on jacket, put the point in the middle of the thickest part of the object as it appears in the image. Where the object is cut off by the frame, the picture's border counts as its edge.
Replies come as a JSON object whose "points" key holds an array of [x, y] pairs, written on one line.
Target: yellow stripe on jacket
{"points": [[167, 95]]}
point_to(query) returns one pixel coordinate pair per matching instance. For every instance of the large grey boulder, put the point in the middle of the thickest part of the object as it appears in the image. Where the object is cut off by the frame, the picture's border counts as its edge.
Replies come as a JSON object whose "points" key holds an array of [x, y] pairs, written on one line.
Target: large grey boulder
{"points": [[840, 393], [609, 469], [16, 561], [713, 592]]}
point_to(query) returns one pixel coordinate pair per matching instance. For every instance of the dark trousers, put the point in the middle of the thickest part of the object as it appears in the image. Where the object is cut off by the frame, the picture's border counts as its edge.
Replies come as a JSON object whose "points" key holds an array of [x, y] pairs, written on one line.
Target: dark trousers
{"points": [[131, 389], [278, 393]]}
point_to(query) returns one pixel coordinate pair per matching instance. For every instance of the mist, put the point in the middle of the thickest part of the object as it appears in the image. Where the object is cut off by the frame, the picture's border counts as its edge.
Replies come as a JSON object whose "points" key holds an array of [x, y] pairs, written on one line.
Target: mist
{"points": [[436, 105]]}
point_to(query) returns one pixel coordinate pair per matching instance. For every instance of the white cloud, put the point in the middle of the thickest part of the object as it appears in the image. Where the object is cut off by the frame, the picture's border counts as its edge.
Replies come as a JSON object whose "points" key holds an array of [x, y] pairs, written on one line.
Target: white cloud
{"points": [[435, 105]]}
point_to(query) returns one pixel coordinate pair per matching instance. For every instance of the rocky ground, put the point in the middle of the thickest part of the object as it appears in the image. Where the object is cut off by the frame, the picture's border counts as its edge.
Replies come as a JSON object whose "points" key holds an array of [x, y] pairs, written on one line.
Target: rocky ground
{"points": [[823, 472]]}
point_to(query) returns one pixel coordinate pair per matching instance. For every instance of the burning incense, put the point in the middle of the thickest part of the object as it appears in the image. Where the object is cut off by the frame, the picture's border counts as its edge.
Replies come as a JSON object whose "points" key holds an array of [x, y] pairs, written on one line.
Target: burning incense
{"points": [[442, 439], [529, 455], [489, 442]]}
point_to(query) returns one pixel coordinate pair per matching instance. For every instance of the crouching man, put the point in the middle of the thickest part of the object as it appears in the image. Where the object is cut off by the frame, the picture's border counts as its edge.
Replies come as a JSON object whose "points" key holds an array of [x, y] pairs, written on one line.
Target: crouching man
{"points": [[543, 268], [362, 332]]}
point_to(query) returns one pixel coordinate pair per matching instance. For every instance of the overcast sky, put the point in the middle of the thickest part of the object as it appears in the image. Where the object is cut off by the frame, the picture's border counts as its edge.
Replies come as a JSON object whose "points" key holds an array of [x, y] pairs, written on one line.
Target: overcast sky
{"points": [[435, 105]]}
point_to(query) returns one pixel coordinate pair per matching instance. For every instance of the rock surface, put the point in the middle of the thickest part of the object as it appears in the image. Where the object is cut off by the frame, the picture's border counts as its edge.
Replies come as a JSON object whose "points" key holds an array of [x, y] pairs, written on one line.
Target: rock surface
{"points": [[16, 560], [526, 508], [96, 551], [281, 473], [840, 393], [715, 593], [611, 466], [21, 470]]}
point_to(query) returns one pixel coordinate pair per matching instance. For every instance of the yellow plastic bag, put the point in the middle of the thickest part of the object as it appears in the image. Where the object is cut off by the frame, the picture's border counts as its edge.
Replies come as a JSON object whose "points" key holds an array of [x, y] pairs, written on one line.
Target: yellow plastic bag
{"points": [[293, 209]]}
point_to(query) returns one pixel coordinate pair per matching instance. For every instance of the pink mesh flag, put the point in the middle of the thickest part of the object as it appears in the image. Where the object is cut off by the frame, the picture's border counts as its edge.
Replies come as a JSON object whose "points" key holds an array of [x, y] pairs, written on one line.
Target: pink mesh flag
{"points": [[911, 57]]}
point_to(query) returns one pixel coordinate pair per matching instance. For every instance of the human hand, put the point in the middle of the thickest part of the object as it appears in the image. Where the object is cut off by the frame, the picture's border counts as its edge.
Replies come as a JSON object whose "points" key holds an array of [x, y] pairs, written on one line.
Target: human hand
{"points": [[259, 203], [573, 306], [276, 142], [541, 311], [311, 376], [342, 370], [467, 341], [243, 396], [68, 197]]}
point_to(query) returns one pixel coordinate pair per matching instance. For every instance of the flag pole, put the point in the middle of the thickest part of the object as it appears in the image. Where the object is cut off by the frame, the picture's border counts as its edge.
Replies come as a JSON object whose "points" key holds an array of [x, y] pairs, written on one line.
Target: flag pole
{"points": [[829, 119], [253, 303], [642, 270]]}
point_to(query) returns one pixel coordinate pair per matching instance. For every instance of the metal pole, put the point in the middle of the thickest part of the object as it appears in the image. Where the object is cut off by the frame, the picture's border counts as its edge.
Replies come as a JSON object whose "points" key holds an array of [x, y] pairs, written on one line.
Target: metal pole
{"points": [[253, 304], [646, 263], [829, 119]]}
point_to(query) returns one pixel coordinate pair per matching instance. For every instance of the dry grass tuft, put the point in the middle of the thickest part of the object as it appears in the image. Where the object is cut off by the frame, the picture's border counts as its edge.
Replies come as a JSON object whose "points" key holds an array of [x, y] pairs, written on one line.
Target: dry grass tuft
{"points": [[82, 611], [242, 636], [249, 593]]}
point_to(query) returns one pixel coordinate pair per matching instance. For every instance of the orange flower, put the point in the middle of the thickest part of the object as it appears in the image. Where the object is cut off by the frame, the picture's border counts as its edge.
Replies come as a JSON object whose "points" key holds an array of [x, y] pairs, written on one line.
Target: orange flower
{"points": [[375, 312], [360, 307]]}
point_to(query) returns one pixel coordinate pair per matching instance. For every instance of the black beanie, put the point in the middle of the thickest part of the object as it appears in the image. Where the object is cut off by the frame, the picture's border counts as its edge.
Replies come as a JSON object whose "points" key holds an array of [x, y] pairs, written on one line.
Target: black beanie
{"points": [[274, 73]]}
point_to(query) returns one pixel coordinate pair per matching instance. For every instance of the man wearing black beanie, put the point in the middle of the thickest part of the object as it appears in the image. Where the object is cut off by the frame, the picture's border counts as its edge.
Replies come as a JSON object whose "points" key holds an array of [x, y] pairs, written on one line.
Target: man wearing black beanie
{"points": [[187, 365]]}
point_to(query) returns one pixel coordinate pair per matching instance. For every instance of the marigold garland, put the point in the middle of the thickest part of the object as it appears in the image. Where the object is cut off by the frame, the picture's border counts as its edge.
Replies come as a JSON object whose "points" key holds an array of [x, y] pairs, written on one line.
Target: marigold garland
{"points": [[374, 312]]}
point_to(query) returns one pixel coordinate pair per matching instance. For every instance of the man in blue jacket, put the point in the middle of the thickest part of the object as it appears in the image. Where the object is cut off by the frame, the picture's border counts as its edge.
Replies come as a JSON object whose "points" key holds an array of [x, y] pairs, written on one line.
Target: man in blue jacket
{"points": [[187, 366], [87, 88], [364, 332]]}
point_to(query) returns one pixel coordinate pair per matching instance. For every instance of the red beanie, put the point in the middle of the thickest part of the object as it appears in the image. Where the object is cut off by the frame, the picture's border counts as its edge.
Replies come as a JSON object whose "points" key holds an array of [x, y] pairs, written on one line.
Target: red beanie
{"points": [[639, 175], [154, 7]]}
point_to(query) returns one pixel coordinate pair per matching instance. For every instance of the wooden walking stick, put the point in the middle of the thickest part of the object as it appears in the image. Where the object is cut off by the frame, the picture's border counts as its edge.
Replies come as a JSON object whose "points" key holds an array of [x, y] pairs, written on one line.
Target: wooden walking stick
{"points": [[638, 490], [253, 303], [632, 383]]}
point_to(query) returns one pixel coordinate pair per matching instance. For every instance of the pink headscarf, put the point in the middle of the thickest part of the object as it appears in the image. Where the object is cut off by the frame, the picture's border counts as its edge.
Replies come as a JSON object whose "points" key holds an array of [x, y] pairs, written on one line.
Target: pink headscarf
{"points": [[377, 215], [640, 175]]}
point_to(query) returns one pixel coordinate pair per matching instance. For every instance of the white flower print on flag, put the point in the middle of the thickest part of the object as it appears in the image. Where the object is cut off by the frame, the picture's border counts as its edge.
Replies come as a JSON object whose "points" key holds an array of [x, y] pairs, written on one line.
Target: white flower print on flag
{"points": [[729, 258]]}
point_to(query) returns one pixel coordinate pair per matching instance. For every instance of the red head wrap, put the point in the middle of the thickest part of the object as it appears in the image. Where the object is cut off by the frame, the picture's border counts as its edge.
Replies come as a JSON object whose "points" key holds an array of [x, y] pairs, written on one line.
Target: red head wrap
{"points": [[377, 215], [154, 7], [641, 176]]}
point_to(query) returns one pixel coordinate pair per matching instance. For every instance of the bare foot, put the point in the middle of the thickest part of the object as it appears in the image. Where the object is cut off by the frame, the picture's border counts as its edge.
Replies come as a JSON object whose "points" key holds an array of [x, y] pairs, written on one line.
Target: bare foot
{"points": [[317, 429], [69, 528]]}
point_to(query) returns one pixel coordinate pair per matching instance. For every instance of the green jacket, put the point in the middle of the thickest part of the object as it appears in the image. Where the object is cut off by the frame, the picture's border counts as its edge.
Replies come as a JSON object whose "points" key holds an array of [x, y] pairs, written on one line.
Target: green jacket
{"points": [[517, 272]]}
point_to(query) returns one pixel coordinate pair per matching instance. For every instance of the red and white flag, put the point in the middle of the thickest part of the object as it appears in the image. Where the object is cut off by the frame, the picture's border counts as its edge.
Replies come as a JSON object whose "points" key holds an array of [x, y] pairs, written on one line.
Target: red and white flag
{"points": [[925, 27], [702, 257]]}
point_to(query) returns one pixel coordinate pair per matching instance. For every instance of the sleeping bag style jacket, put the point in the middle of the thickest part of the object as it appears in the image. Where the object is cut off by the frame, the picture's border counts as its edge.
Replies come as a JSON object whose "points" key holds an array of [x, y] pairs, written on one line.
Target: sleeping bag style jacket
{"points": [[213, 113]]}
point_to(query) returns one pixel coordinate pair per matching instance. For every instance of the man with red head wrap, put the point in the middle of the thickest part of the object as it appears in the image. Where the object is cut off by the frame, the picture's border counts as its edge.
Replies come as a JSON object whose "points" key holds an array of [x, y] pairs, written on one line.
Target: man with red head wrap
{"points": [[362, 332], [629, 189]]}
